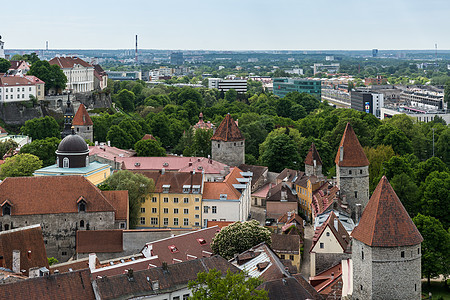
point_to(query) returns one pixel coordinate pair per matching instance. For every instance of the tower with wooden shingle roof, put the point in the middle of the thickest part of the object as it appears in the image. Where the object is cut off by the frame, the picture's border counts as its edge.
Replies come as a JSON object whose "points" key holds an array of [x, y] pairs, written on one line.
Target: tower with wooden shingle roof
{"points": [[83, 124], [228, 143], [313, 162], [352, 172], [386, 249]]}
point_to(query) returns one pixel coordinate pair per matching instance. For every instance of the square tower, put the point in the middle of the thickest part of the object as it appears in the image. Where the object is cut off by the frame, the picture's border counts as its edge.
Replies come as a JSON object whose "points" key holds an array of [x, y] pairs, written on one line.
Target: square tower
{"points": [[228, 143]]}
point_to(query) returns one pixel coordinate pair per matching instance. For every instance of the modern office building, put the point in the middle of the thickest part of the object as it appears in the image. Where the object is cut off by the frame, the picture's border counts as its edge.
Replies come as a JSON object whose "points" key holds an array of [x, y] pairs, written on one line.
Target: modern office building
{"points": [[374, 52], [224, 85], [327, 68], [369, 102], [282, 86], [176, 58]]}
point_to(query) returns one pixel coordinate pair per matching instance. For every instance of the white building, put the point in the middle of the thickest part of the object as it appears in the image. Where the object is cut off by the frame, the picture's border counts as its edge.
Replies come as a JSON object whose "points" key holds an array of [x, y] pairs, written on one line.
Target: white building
{"points": [[2, 51], [80, 74], [228, 200], [20, 88], [225, 85]]}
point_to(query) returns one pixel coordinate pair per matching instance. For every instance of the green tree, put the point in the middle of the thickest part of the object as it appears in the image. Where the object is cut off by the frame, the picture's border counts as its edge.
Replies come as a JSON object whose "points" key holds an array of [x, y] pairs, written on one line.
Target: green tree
{"points": [[44, 149], [407, 191], [4, 65], [376, 157], [436, 197], [212, 285], [7, 146], [52, 261], [435, 246], [231, 95], [138, 186], [20, 165], [443, 146], [41, 128], [149, 148], [280, 152], [126, 100], [425, 168], [238, 237], [119, 138], [447, 92], [52, 75]]}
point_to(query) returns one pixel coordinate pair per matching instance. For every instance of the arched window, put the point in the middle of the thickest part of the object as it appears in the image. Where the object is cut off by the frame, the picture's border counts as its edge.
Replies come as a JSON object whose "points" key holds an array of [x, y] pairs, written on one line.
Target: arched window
{"points": [[87, 161], [65, 162], [6, 210], [82, 223], [6, 226], [82, 206]]}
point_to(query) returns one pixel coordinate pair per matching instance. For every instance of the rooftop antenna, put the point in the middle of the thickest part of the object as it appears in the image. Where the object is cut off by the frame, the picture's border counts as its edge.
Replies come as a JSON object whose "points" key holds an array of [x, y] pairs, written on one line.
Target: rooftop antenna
{"points": [[136, 52]]}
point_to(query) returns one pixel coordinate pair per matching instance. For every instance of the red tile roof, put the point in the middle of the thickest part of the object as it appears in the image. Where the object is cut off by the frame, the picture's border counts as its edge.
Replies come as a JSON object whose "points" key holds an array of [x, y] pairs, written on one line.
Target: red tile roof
{"points": [[148, 137], [34, 79], [119, 200], [13, 81], [385, 222], [110, 153], [287, 289], [286, 243], [176, 180], [69, 286], [59, 194], [82, 118], [329, 281], [227, 131], [340, 234], [312, 156], [68, 62], [354, 155], [2, 130], [213, 190], [99, 241], [15, 64], [29, 241], [75, 265], [220, 224]]}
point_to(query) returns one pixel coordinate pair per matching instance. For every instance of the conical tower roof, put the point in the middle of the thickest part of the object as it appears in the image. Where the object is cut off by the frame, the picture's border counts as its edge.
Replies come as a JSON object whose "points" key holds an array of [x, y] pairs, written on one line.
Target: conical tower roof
{"points": [[82, 117], [312, 156], [353, 155], [228, 131], [385, 222]]}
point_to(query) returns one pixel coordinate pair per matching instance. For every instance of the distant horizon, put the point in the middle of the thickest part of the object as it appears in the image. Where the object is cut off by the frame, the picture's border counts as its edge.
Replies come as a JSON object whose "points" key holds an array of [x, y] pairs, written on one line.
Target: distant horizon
{"points": [[235, 50]]}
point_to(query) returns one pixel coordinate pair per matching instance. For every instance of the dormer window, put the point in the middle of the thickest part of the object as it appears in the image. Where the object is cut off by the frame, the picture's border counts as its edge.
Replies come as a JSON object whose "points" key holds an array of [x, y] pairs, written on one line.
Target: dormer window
{"points": [[81, 204], [173, 249], [6, 208], [186, 188], [201, 241], [196, 189], [166, 188]]}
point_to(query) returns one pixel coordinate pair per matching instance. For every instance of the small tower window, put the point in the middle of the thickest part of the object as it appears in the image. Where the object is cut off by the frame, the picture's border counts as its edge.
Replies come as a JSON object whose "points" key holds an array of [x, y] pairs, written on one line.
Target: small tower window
{"points": [[360, 171], [82, 206], [356, 194], [218, 145], [65, 162], [6, 210], [418, 250], [81, 223], [350, 172], [362, 255], [402, 254]]}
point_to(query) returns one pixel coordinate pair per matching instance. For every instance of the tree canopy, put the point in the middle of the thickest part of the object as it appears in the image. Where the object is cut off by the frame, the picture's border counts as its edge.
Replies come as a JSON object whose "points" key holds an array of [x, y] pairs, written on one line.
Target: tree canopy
{"points": [[4, 65], [52, 75], [20, 165], [44, 149], [41, 128], [149, 148]]}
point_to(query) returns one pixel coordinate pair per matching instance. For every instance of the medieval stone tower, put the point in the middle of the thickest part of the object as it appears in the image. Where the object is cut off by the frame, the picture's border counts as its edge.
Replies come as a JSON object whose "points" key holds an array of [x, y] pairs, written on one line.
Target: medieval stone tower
{"points": [[352, 172], [228, 143], [313, 163], [386, 250], [83, 124]]}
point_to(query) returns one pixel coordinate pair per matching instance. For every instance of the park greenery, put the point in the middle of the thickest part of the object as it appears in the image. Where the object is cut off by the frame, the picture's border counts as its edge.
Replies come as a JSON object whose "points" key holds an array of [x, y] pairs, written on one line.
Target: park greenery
{"points": [[214, 285], [239, 237]]}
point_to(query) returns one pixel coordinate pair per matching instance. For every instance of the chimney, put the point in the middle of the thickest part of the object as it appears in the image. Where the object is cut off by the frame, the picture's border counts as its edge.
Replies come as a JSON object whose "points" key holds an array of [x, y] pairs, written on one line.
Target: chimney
{"points": [[358, 211], [109, 143], [155, 285], [336, 224], [314, 163], [16, 261], [341, 153], [130, 275], [92, 261], [163, 171], [96, 143], [29, 254]]}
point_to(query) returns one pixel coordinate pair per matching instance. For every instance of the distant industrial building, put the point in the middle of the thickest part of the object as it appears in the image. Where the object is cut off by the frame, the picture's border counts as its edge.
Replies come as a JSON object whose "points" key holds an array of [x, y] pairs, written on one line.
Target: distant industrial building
{"points": [[369, 102], [224, 85], [374, 52], [282, 86], [176, 58], [379, 80], [424, 98], [330, 68], [125, 75]]}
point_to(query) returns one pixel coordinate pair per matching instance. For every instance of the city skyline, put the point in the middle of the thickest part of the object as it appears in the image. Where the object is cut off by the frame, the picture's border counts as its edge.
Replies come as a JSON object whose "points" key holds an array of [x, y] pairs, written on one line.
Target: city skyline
{"points": [[238, 25]]}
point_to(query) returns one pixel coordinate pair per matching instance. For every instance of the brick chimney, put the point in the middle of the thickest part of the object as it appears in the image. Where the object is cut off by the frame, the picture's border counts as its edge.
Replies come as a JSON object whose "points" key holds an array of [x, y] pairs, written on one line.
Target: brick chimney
{"points": [[16, 261]]}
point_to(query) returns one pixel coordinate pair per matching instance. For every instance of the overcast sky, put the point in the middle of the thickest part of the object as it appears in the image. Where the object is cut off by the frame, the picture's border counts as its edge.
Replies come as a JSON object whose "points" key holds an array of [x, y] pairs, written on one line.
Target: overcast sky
{"points": [[227, 24]]}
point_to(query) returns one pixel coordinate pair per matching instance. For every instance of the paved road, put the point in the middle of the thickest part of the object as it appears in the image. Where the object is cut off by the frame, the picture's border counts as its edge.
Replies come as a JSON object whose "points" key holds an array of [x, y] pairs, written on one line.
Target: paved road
{"points": [[305, 264]]}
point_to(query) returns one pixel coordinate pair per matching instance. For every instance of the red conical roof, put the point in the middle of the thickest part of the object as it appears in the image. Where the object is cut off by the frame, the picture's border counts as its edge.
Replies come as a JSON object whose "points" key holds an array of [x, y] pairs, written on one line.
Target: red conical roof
{"points": [[313, 155], [354, 155], [228, 131], [385, 222], [82, 117]]}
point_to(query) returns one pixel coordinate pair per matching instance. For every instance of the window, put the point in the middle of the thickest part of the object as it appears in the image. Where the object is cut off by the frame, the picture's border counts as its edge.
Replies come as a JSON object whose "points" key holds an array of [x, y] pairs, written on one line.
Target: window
{"points": [[154, 210], [166, 200], [81, 223], [218, 145], [402, 254], [175, 210], [65, 162], [142, 209], [122, 225], [214, 209], [197, 216], [418, 250], [328, 234], [154, 221], [142, 220], [186, 211], [360, 171], [166, 221], [63, 253], [175, 200], [356, 194], [197, 199], [176, 298], [175, 221], [197, 208], [6, 227], [322, 245], [154, 199], [186, 200], [282, 256], [29, 89], [205, 209], [186, 222], [23, 96], [361, 287], [165, 210], [186, 190], [362, 255], [291, 257], [185, 296]]}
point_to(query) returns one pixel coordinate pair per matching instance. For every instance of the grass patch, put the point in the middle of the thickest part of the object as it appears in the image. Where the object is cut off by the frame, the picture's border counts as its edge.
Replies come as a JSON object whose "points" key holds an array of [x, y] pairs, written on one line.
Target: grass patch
{"points": [[438, 290]]}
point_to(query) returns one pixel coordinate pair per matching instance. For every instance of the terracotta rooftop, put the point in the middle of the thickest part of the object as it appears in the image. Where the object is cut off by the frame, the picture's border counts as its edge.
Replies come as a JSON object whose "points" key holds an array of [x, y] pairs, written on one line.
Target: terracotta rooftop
{"points": [[202, 124], [175, 277], [29, 241], [287, 289], [328, 282], [289, 175], [220, 224], [27, 195], [353, 155], [13, 81], [148, 136], [290, 217], [285, 243], [82, 118], [68, 62], [262, 191], [257, 171], [324, 197], [72, 285], [228, 131], [281, 192], [73, 265], [176, 180], [213, 190], [110, 153], [312, 156], [385, 222], [99, 241], [340, 233], [15, 64]]}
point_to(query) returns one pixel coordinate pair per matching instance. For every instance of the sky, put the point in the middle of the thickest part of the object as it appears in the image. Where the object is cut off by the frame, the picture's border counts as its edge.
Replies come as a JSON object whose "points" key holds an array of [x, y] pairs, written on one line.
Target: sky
{"points": [[227, 24]]}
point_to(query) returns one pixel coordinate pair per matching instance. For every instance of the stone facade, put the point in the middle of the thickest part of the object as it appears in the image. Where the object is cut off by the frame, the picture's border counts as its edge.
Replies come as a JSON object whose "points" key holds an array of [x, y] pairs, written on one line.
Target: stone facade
{"points": [[386, 272], [230, 153], [86, 132], [324, 261], [353, 183], [313, 170], [59, 230]]}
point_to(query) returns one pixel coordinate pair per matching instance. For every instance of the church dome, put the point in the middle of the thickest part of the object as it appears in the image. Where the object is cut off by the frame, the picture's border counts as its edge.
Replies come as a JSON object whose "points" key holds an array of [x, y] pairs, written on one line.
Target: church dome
{"points": [[73, 144]]}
